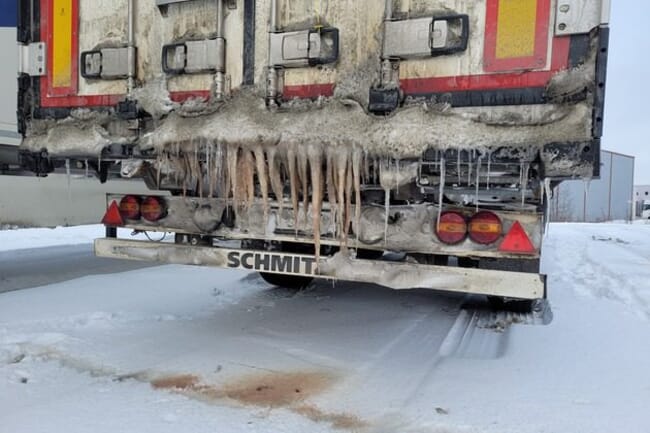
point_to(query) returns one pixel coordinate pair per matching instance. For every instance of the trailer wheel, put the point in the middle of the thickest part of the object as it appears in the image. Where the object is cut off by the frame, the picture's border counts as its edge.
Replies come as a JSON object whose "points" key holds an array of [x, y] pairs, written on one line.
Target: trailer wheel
{"points": [[292, 282]]}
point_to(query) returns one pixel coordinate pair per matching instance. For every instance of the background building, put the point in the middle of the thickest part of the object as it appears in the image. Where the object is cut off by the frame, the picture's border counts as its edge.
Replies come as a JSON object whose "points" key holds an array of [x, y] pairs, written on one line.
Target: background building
{"points": [[641, 192], [606, 199]]}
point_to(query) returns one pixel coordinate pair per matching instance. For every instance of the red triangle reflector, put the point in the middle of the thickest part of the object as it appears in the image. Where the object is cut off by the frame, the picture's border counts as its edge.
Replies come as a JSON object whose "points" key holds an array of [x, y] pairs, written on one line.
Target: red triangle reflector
{"points": [[517, 241], [112, 217]]}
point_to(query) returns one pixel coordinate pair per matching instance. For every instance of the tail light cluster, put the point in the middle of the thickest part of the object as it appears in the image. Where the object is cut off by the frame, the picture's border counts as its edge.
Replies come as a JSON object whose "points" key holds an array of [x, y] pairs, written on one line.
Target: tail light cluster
{"points": [[134, 208], [484, 228]]}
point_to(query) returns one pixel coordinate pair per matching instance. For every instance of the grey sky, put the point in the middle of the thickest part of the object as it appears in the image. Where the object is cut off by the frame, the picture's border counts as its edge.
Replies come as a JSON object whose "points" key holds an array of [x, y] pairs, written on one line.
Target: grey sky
{"points": [[627, 115]]}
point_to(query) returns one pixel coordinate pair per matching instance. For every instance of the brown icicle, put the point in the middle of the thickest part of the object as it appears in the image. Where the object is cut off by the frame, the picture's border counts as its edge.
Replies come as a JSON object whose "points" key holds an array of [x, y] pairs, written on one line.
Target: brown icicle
{"points": [[196, 168], [293, 182], [158, 168], [341, 168], [274, 176], [348, 199], [316, 165], [356, 174], [260, 162], [304, 182], [223, 175], [331, 186], [366, 167], [209, 156], [249, 177], [232, 174], [186, 173]]}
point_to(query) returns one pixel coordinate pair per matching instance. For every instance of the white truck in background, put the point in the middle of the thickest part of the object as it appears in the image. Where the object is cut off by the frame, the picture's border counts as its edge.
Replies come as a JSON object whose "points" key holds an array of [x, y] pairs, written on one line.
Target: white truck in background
{"points": [[305, 139], [68, 200], [645, 210], [9, 137]]}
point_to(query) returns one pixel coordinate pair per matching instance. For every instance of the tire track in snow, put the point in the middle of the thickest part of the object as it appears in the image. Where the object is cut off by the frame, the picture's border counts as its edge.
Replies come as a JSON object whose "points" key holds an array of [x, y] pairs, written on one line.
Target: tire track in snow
{"points": [[414, 351]]}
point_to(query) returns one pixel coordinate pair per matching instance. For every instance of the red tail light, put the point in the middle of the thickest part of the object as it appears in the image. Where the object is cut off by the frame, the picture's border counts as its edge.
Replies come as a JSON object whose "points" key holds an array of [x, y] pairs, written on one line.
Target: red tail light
{"points": [[517, 241], [130, 207], [112, 217], [485, 228], [153, 209], [452, 228]]}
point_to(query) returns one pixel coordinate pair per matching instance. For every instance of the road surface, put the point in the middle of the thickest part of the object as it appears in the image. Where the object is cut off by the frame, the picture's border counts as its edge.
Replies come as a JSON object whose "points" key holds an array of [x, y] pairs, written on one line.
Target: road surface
{"points": [[22, 269]]}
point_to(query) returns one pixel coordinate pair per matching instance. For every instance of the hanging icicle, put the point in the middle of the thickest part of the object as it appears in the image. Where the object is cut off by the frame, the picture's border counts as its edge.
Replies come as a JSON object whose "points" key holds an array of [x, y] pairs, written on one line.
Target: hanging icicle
{"points": [[478, 182], [316, 165], [441, 191]]}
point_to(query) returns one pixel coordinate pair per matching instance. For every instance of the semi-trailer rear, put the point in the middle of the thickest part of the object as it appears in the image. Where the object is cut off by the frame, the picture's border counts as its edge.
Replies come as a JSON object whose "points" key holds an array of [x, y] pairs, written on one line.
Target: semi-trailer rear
{"points": [[307, 138]]}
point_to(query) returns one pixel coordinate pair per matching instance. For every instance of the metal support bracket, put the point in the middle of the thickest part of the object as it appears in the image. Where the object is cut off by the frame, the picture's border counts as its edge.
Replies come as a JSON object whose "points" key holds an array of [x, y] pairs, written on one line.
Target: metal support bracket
{"points": [[167, 2], [194, 57], [108, 63], [304, 48], [32, 59], [426, 37]]}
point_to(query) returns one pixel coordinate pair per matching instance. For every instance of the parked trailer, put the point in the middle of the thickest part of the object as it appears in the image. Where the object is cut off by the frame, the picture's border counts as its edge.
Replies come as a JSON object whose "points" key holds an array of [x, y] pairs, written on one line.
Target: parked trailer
{"points": [[315, 136]]}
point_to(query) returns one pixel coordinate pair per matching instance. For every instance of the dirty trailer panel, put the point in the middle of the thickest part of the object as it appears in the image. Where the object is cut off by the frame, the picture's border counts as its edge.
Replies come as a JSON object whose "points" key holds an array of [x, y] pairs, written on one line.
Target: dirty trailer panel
{"points": [[436, 64]]}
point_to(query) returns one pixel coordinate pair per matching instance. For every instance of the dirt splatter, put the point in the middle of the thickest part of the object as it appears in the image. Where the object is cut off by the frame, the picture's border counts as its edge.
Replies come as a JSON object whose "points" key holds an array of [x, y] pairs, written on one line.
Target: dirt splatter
{"points": [[270, 390], [277, 389], [342, 421], [180, 382]]}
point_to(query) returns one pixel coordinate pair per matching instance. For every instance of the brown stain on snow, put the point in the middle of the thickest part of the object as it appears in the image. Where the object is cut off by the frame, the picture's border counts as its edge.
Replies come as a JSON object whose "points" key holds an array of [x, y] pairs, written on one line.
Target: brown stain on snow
{"points": [[277, 389], [342, 421], [269, 390], [180, 382]]}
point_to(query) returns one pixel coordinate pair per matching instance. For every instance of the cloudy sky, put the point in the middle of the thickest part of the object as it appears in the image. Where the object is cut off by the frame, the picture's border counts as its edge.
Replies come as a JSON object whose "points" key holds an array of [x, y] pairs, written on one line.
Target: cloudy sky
{"points": [[627, 116]]}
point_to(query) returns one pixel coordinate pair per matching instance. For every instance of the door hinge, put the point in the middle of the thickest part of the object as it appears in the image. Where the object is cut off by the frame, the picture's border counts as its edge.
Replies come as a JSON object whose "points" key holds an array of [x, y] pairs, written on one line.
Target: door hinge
{"points": [[32, 59]]}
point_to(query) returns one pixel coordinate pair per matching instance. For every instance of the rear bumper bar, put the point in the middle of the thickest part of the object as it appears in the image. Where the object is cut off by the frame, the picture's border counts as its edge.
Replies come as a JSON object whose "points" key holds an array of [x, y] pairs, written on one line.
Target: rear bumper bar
{"points": [[394, 275]]}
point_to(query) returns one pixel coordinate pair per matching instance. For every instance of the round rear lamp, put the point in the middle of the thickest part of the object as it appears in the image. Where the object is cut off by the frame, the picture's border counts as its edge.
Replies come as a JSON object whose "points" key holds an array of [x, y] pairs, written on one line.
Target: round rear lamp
{"points": [[130, 207], [452, 228], [485, 228], [153, 209]]}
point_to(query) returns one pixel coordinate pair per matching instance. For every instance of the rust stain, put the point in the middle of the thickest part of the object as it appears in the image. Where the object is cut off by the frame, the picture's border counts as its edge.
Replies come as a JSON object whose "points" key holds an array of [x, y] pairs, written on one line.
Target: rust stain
{"points": [[270, 390], [277, 389]]}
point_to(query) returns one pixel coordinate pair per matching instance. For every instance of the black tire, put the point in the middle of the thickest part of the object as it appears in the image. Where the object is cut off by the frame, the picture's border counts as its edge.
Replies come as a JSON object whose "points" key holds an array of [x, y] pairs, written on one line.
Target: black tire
{"points": [[292, 282]]}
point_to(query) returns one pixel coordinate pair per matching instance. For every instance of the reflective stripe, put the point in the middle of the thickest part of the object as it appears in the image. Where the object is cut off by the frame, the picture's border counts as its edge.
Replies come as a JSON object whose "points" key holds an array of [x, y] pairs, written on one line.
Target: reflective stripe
{"points": [[517, 35], [516, 28], [62, 43]]}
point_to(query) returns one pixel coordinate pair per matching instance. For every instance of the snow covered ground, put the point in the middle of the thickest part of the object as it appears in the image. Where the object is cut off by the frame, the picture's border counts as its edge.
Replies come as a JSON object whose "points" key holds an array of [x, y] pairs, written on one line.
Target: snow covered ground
{"points": [[181, 349]]}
